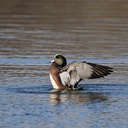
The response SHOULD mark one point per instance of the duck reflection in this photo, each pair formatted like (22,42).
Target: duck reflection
(75,97)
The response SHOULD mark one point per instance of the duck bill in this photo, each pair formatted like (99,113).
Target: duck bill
(52,61)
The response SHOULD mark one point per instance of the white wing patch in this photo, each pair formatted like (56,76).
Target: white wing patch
(65,78)
(74,77)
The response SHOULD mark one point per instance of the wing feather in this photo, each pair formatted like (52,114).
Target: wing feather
(99,70)
(77,71)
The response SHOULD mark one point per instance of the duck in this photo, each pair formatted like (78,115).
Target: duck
(68,76)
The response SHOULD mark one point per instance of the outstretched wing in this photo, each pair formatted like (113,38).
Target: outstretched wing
(74,72)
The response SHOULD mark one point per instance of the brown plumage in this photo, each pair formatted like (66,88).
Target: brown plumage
(54,72)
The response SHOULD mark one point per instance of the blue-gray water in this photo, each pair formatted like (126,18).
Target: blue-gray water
(32,32)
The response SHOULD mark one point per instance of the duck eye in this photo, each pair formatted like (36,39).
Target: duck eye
(57,57)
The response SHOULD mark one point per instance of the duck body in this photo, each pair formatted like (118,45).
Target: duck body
(65,76)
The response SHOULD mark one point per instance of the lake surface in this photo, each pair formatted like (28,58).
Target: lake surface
(32,32)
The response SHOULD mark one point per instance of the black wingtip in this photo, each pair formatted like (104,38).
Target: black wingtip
(100,70)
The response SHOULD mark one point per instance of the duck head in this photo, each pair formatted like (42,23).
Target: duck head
(59,60)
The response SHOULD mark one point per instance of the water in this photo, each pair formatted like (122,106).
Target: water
(32,32)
